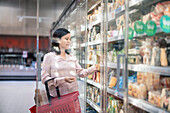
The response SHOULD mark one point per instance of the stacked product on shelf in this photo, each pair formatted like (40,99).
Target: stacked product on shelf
(93,56)
(149,46)
(148,53)
(93,94)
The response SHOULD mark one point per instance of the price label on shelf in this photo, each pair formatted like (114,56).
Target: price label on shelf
(24,54)
(161,111)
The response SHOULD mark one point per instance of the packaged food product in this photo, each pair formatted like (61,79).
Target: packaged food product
(98,77)
(165,82)
(130,87)
(146,18)
(164,61)
(159,8)
(139,91)
(140,77)
(165,98)
(155,60)
(167,11)
(112,82)
(154,97)
(152,81)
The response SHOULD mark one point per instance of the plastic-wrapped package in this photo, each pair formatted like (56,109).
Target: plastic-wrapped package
(155,52)
(165,82)
(112,79)
(109,56)
(139,91)
(157,58)
(154,97)
(167,11)
(164,61)
(165,98)
(152,81)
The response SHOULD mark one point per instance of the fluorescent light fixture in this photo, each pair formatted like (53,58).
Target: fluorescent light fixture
(33,17)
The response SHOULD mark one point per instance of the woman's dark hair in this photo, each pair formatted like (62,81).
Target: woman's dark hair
(58,34)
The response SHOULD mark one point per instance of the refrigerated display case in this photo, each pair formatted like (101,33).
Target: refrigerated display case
(130,39)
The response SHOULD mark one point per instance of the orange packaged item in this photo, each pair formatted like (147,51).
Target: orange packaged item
(98,77)
(167,11)
(112,82)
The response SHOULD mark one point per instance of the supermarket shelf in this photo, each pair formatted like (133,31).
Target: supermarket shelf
(111,39)
(139,103)
(90,25)
(83,45)
(92,104)
(17,72)
(117,94)
(158,30)
(94,5)
(121,37)
(115,38)
(131,4)
(94,42)
(114,65)
(93,83)
(122,8)
(90,62)
(146,105)
(148,68)
(144,68)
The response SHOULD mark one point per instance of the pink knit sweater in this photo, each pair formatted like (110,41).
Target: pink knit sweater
(55,66)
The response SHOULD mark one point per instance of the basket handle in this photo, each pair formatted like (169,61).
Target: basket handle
(48,93)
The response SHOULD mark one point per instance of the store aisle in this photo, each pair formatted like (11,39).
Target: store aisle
(16,96)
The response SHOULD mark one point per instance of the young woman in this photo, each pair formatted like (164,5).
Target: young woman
(63,66)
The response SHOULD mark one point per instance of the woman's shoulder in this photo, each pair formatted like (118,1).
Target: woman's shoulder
(72,57)
(50,54)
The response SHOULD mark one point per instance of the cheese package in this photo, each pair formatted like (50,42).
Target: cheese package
(165,98)
(138,91)
(140,77)
(152,81)
(154,97)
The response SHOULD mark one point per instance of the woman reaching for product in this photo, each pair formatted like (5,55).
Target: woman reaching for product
(63,66)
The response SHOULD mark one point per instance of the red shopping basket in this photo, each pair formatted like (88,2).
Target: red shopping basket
(68,103)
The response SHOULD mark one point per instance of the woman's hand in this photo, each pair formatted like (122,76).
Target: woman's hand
(70,79)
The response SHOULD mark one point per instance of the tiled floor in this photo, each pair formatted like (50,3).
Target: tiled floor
(17,96)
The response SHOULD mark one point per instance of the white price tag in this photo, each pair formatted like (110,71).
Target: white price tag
(24,54)
(161,111)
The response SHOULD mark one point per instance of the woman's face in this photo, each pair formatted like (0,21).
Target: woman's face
(65,41)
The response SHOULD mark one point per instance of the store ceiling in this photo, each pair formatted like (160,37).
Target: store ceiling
(18,17)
